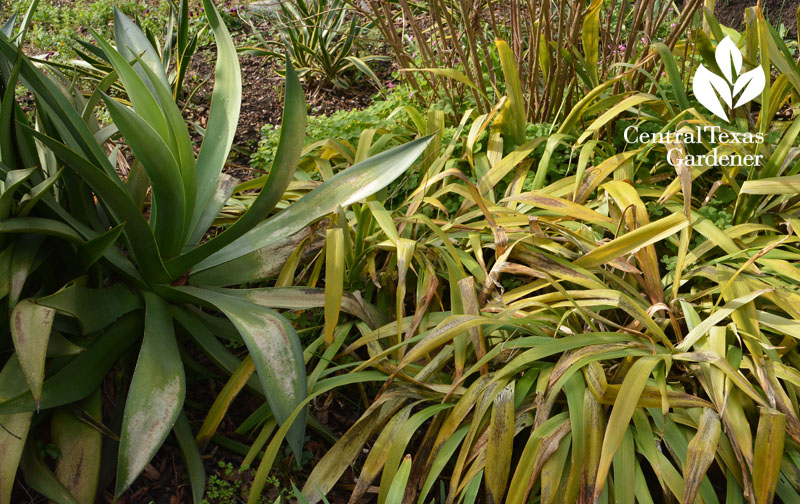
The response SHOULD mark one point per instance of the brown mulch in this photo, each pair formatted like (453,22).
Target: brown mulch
(262,99)
(731,13)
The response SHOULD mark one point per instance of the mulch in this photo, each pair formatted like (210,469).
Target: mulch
(731,13)
(262,99)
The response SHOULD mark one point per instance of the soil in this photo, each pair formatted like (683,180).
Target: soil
(262,99)
(731,13)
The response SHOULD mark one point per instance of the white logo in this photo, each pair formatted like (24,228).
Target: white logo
(709,87)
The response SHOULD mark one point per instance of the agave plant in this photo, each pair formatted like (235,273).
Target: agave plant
(93,270)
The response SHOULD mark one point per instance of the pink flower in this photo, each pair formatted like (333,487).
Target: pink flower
(390,85)
(621,48)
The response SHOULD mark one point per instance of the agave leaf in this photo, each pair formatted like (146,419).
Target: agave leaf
(30,200)
(83,374)
(224,113)
(286,158)
(14,179)
(82,302)
(8,27)
(180,143)
(158,160)
(14,432)
(345,188)
(123,209)
(225,186)
(30,330)
(304,298)
(141,97)
(60,111)
(155,397)
(132,44)
(40,226)
(40,478)
(78,468)
(210,344)
(7,105)
(276,352)
(26,249)
(268,263)
(94,249)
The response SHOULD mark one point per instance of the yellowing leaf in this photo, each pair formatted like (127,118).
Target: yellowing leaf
(334,280)
(632,387)
(560,206)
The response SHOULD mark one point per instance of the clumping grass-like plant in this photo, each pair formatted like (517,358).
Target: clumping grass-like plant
(600,323)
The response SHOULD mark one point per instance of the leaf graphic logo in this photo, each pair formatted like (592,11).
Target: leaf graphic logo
(713,90)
